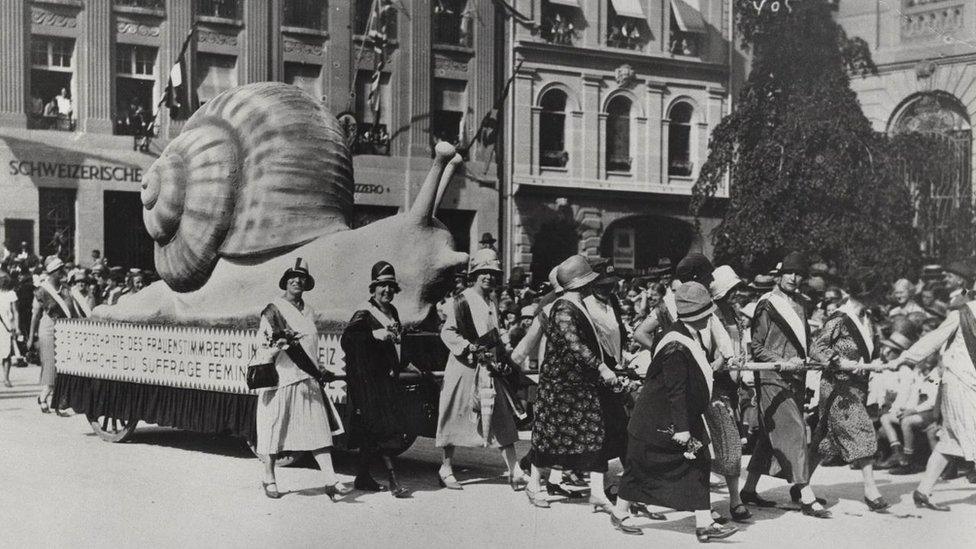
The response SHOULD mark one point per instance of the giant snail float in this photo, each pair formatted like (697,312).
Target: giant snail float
(262,175)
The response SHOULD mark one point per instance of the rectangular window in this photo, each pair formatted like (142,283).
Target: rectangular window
(51,105)
(227,9)
(214,74)
(372,135)
(48,52)
(135,60)
(305,76)
(450,104)
(365,16)
(309,14)
(452,23)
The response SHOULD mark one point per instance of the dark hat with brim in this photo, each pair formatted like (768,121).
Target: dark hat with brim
(693,266)
(300,269)
(383,273)
(763,283)
(487,238)
(794,262)
(608,273)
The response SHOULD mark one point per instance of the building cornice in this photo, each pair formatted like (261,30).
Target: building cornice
(571,55)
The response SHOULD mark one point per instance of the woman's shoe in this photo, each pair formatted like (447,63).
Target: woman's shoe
(273,494)
(878,504)
(448,482)
(557,490)
(536,498)
(753,498)
(717,518)
(45,408)
(715,531)
(518,484)
(337,489)
(921,500)
(601,505)
(367,483)
(572,479)
(798,498)
(740,513)
(640,509)
(621,524)
(810,511)
(399,491)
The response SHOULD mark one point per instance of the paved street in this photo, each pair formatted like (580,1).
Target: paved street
(62,486)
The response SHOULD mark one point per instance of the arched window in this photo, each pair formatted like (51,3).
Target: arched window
(552,129)
(618,135)
(679,140)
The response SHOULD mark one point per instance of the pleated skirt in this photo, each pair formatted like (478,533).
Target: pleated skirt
(293,418)
(957,435)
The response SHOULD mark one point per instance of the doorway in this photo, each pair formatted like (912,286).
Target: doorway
(127,243)
(56,218)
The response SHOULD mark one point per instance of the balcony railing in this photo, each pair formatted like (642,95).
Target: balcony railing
(619,163)
(681,167)
(370,139)
(684,43)
(558,27)
(159,5)
(554,159)
(227,9)
(50,122)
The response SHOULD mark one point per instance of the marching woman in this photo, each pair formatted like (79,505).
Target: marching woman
(721,415)
(667,455)
(52,300)
(845,430)
(570,429)
(295,416)
(9,322)
(371,342)
(476,408)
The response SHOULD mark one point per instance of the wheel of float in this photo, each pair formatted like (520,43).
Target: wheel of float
(112,429)
(283,460)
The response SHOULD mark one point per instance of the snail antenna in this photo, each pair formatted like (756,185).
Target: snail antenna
(445,181)
(425,203)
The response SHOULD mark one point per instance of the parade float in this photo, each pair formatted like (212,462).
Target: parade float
(260,176)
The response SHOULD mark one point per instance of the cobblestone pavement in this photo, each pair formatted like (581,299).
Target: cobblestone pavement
(61,486)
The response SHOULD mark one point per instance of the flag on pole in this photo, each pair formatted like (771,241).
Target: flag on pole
(383,10)
(177,95)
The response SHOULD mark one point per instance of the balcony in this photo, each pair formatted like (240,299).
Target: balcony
(681,168)
(370,139)
(619,163)
(558,25)
(50,122)
(626,33)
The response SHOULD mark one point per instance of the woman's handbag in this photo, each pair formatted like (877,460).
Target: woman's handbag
(261,372)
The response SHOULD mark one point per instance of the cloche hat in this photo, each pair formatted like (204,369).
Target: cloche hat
(693,267)
(693,302)
(724,281)
(383,273)
(300,269)
(575,272)
(485,259)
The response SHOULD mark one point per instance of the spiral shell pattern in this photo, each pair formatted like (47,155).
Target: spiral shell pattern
(257,171)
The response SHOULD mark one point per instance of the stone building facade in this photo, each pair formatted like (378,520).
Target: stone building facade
(612,108)
(76,74)
(925,51)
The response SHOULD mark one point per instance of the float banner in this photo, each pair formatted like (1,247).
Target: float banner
(208,359)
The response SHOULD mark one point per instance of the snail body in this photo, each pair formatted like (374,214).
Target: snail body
(260,176)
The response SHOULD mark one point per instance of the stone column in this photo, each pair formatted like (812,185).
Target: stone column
(574,144)
(657,173)
(522,94)
(484,86)
(535,144)
(257,42)
(179,19)
(420,79)
(593,147)
(96,90)
(275,56)
(14,28)
(641,149)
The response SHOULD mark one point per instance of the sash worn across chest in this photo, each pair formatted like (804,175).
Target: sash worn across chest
(384,320)
(586,314)
(674,336)
(967,325)
(784,316)
(56,297)
(861,333)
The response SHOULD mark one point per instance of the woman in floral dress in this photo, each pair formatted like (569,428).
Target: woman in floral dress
(845,431)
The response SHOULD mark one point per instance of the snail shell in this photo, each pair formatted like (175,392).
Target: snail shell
(259,170)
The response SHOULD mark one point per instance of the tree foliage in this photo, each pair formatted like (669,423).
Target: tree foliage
(808,171)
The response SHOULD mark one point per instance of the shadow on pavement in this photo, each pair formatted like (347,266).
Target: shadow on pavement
(221,445)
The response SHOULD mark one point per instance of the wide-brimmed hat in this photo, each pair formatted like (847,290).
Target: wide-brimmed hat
(763,283)
(963,268)
(693,267)
(794,262)
(487,238)
(897,341)
(52,263)
(300,269)
(485,259)
(575,272)
(693,302)
(662,269)
(553,280)
(724,280)
(383,273)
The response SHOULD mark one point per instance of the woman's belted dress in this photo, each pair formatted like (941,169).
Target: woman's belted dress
(295,415)
(51,304)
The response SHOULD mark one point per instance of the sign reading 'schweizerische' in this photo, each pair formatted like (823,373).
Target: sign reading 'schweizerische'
(184,357)
(63,170)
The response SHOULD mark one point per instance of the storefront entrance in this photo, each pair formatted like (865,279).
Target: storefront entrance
(127,243)
(56,218)
(637,243)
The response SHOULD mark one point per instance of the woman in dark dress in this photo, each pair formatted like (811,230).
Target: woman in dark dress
(668,461)
(569,430)
(845,431)
(371,342)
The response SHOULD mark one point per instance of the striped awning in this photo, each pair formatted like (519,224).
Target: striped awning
(687,13)
(628,8)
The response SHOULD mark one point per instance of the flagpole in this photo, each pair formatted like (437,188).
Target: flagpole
(169,89)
